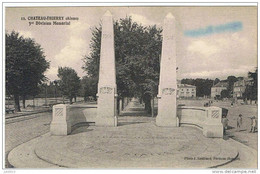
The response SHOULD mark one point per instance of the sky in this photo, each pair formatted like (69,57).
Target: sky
(216,55)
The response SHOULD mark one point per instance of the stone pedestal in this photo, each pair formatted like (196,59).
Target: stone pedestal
(213,127)
(167,110)
(107,92)
(60,124)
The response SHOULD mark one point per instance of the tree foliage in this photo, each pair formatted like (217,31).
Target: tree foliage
(69,82)
(231,80)
(88,87)
(251,88)
(216,81)
(203,86)
(137,50)
(224,94)
(25,66)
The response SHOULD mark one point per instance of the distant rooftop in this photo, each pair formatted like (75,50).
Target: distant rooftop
(221,84)
(186,86)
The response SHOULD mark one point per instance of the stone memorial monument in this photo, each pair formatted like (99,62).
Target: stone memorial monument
(61,123)
(107,90)
(167,114)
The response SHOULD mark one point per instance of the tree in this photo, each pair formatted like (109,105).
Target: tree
(137,50)
(69,82)
(88,87)
(25,67)
(251,88)
(216,81)
(231,80)
(224,94)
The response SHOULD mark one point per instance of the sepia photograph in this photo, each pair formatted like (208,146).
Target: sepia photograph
(130,86)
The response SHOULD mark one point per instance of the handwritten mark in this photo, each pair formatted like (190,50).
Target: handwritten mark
(228,27)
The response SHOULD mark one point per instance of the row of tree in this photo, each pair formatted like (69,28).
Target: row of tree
(137,52)
(25,67)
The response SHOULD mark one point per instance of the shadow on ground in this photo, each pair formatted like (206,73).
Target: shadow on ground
(79,128)
(128,123)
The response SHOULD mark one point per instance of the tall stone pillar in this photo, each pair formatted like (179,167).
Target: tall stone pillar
(167,110)
(107,91)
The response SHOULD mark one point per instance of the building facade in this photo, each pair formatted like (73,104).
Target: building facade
(186,91)
(240,87)
(216,89)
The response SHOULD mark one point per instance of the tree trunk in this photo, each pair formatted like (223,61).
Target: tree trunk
(148,106)
(124,102)
(147,101)
(33,103)
(75,99)
(71,100)
(17,103)
(23,98)
(152,106)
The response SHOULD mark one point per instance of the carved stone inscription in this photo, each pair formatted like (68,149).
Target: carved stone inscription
(106,36)
(106,90)
(168,91)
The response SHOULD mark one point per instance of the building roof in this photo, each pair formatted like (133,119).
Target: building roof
(242,82)
(221,84)
(186,86)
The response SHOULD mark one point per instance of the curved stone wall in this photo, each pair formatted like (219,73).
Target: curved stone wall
(66,116)
(208,119)
(192,115)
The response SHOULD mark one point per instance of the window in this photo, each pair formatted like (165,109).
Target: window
(187,89)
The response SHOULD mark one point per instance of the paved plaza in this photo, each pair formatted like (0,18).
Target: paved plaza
(136,143)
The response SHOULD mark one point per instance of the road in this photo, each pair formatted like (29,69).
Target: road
(23,130)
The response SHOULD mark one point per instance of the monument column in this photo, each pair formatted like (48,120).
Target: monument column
(107,91)
(168,84)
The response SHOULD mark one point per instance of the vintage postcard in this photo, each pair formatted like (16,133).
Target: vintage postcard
(114,86)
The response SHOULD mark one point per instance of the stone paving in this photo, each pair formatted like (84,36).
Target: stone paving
(136,143)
